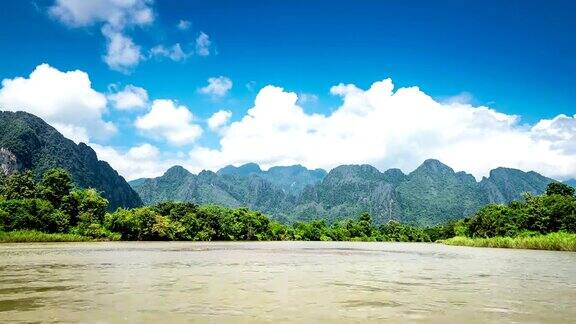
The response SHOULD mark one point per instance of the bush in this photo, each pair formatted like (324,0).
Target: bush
(95,231)
(143,224)
(32,214)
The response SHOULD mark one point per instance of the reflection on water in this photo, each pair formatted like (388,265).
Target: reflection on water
(283,281)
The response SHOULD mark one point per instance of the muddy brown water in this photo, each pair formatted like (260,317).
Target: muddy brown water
(283,282)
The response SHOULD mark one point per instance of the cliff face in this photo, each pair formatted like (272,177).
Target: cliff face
(37,146)
(8,163)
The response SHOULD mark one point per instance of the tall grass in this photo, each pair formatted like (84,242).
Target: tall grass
(559,241)
(35,236)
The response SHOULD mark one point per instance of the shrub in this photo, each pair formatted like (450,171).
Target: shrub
(95,231)
(33,214)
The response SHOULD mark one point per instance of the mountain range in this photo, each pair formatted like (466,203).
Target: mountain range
(431,194)
(27,142)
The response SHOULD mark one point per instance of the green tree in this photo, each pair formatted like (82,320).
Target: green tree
(550,213)
(19,185)
(365,225)
(55,185)
(32,214)
(495,220)
(175,210)
(558,188)
(339,231)
(85,205)
(123,222)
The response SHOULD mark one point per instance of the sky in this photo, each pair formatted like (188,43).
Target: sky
(204,84)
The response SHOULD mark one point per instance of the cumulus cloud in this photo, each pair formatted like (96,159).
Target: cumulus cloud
(116,13)
(141,161)
(219,119)
(129,98)
(175,52)
(65,100)
(217,86)
(203,44)
(391,128)
(560,130)
(173,123)
(184,25)
(122,54)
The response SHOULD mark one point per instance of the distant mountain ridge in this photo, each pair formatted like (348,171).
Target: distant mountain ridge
(292,179)
(430,194)
(27,142)
(228,189)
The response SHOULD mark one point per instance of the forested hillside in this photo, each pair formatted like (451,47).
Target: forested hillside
(38,147)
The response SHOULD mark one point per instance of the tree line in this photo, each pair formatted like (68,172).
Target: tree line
(54,205)
(553,211)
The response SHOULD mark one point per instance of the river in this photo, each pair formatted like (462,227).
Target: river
(283,282)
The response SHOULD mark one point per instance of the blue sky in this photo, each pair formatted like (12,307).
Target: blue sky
(515,57)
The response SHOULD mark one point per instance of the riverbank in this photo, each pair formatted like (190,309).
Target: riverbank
(35,237)
(559,241)
(554,241)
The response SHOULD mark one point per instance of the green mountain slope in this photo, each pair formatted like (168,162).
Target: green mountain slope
(504,184)
(292,179)
(434,192)
(349,190)
(38,146)
(230,190)
(571,182)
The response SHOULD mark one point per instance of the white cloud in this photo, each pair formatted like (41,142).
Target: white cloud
(203,44)
(390,128)
(217,86)
(560,130)
(175,53)
(116,13)
(170,122)
(122,54)
(141,161)
(129,98)
(77,134)
(184,25)
(461,98)
(65,100)
(219,119)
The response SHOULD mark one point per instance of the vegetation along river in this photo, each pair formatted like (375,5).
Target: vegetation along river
(283,281)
